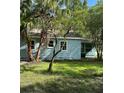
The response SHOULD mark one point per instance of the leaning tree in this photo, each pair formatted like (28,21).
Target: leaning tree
(71,17)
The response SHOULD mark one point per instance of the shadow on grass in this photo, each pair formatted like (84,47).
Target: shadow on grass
(66,85)
(73,79)
(64,71)
(24,68)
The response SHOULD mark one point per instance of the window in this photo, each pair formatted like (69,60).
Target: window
(50,43)
(88,47)
(63,45)
(32,44)
(82,47)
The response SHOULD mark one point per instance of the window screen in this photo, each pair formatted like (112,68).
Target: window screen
(63,45)
(50,44)
(32,44)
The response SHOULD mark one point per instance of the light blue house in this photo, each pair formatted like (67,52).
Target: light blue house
(74,48)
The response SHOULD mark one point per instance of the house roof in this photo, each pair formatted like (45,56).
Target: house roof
(36,32)
(71,35)
(68,38)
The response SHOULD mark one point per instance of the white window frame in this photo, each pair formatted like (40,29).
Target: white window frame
(33,45)
(66,45)
(53,44)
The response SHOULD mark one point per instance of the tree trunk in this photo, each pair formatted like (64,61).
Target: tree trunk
(50,65)
(28,42)
(43,37)
(99,56)
(30,56)
(55,53)
(38,54)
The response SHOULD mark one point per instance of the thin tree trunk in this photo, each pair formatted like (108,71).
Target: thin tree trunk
(98,56)
(43,37)
(50,65)
(38,53)
(55,53)
(30,56)
(101,56)
(52,60)
(42,40)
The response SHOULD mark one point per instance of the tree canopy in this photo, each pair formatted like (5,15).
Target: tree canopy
(61,16)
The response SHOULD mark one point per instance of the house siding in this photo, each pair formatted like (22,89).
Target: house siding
(23,51)
(73,51)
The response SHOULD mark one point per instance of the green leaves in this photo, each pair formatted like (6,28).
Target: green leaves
(85,5)
(77,15)
(95,20)
(95,27)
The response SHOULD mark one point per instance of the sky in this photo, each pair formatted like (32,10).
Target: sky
(91,2)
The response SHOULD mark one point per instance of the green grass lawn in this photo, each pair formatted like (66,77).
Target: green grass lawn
(67,77)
